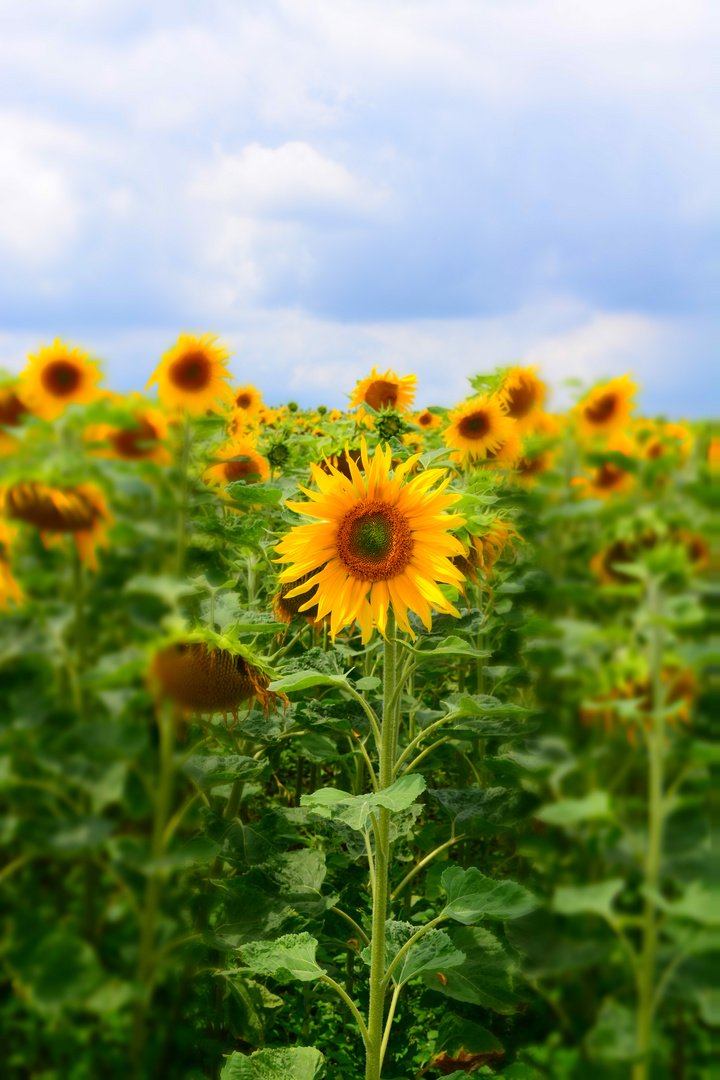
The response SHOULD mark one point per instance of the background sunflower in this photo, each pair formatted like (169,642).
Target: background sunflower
(192,375)
(56,377)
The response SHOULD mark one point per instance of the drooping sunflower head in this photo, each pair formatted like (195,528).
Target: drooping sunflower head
(238,460)
(56,377)
(606,408)
(479,427)
(80,511)
(523,394)
(207,673)
(388,391)
(496,538)
(379,543)
(193,376)
(247,399)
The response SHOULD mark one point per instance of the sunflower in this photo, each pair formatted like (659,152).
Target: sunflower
(9,588)
(80,511)
(605,481)
(141,439)
(529,468)
(388,391)
(379,544)
(12,409)
(606,408)
(192,375)
(664,440)
(340,462)
(490,544)
(523,394)
(479,427)
(238,460)
(58,376)
(247,400)
(605,564)
(507,453)
(205,672)
(427,420)
(286,607)
(8,444)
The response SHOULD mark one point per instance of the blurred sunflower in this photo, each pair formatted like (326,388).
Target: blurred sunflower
(388,391)
(605,481)
(247,400)
(380,543)
(523,394)
(193,376)
(56,377)
(427,420)
(12,409)
(606,408)
(238,460)
(479,427)
(141,439)
(9,588)
(529,468)
(664,440)
(80,511)
(507,453)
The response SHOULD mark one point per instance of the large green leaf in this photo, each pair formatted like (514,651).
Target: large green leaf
(210,770)
(477,811)
(433,952)
(547,948)
(249,914)
(288,958)
(294,1063)
(250,495)
(252,1002)
(574,811)
(594,899)
(700,902)
(470,895)
(457,1036)
(485,705)
(454,646)
(55,971)
(303,680)
(486,976)
(614,1037)
(296,877)
(355,810)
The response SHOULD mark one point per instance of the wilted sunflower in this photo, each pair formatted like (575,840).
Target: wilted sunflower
(523,394)
(205,672)
(9,588)
(606,408)
(193,376)
(478,427)
(388,391)
(141,439)
(247,400)
(238,460)
(80,511)
(56,377)
(380,543)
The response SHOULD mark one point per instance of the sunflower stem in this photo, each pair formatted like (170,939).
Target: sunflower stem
(388,738)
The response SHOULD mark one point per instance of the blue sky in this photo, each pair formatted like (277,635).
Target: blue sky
(440,186)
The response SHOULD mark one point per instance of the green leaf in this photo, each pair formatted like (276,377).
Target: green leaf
(433,952)
(454,646)
(168,589)
(370,682)
(700,903)
(588,899)
(455,1033)
(288,958)
(248,495)
(56,971)
(614,1037)
(574,811)
(317,747)
(485,978)
(72,835)
(355,810)
(209,770)
(485,705)
(303,680)
(505,728)
(294,1063)
(298,877)
(470,895)
(475,811)
(252,999)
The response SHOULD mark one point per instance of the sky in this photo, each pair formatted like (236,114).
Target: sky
(436,186)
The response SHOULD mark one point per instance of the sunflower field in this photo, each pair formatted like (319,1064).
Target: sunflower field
(353,745)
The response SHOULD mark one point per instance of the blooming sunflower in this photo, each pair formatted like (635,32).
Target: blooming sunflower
(9,588)
(606,408)
(427,420)
(238,460)
(605,481)
(379,544)
(192,375)
(56,377)
(479,427)
(523,394)
(80,510)
(388,391)
(664,440)
(141,439)
(247,400)
(529,468)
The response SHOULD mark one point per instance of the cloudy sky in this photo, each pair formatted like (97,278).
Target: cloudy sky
(439,186)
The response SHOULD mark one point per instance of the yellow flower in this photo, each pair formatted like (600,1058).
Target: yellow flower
(606,408)
(9,588)
(529,468)
(192,375)
(286,607)
(660,440)
(141,439)
(12,409)
(427,420)
(379,544)
(479,427)
(80,511)
(58,376)
(523,394)
(238,460)
(247,400)
(388,391)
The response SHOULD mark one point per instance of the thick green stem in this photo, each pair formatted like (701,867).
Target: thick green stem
(382,850)
(656,752)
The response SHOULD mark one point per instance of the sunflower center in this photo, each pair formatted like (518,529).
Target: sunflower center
(241,468)
(243,401)
(61,377)
(520,400)
(191,372)
(475,425)
(11,408)
(131,442)
(601,410)
(374,541)
(425,419)
(381,394)
(608,476)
